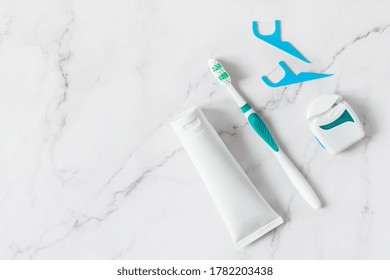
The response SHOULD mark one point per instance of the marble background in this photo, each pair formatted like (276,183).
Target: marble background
(90,168)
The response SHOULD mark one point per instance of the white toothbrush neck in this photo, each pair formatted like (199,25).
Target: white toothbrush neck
(237,97)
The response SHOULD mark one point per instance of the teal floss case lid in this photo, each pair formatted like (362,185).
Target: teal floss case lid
(334,123)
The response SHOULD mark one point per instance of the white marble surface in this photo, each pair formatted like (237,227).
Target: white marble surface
(90,169)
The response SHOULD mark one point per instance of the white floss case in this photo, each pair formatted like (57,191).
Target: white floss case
(334,123)
(246,213)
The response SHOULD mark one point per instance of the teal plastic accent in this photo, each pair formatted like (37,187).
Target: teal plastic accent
(345,117)
(245,108)
(275,40)
(291,78)
(262,130)
(320,143)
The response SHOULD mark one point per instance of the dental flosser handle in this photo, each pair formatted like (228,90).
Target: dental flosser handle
(289,168)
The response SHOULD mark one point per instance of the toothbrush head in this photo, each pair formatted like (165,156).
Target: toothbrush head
(219,72)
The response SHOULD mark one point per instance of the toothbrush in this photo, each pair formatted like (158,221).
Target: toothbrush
(261,129)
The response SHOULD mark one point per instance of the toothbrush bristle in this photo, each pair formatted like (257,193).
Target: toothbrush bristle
(219,72)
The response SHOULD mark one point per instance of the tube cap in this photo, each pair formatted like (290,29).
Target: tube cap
(190,122)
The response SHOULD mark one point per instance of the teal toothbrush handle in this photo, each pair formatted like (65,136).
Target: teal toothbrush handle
(262,130)
(300,183)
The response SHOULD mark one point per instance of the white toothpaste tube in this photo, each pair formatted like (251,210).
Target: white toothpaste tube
(246,213)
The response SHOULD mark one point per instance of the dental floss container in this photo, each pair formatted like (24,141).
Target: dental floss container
(246,214)
(334,123)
